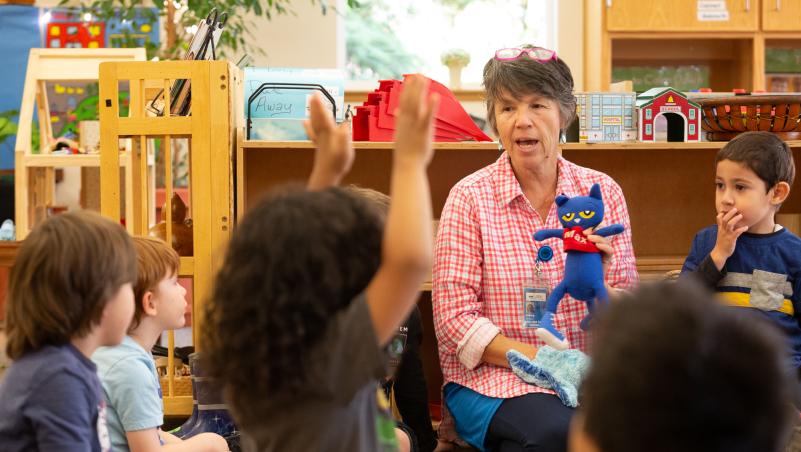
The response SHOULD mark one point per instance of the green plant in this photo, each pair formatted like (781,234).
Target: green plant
(7,126)
(180,15)
(374,50)
(455,57)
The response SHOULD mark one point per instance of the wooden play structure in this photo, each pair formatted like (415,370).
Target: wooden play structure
(35,169)
(215,113)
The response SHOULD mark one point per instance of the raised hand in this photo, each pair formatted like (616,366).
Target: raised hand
(333,156)
(415,119)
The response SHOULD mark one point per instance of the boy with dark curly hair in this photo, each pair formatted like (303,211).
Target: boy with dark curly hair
(674,371)
(311,290)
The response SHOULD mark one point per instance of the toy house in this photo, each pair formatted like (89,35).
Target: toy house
(666,109)
(606,116)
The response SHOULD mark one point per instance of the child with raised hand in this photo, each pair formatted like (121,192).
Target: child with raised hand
(69,293)
(127,371)
(751,261)
(310,293)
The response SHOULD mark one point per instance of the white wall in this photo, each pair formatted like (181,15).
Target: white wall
(570,36)
(307,39)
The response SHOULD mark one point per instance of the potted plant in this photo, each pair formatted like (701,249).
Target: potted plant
(456,60)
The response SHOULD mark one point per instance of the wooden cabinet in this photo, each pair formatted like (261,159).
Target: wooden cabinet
(781,15)
(667,35)
(682,15)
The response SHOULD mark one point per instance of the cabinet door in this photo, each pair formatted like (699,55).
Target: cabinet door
(781,15)
(682,15)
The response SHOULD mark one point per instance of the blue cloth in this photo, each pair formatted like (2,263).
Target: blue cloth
(560,370)
(131,388)
(20,25)
(471,411)
(51,399)
(764,272)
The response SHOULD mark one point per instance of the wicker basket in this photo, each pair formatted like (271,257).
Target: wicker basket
(726,117)
(182,386)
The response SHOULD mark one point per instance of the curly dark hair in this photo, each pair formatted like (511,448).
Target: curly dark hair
(295,259)
(673,370)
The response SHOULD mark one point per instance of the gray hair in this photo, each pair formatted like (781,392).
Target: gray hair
(523,76)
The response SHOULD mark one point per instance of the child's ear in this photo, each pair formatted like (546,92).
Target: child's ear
(780,193)
(149,303)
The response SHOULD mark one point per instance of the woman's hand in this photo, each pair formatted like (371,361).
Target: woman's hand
(607,252)
(605,248)
(333,155)
(728,232)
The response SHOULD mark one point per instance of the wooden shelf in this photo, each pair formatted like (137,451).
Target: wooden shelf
(494,145)
(462,95)
(362,145)
(668,186)
(66,161)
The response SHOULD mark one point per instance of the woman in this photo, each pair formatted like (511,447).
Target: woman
(485,256)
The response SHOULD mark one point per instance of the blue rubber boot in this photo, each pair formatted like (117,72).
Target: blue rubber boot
(212,413)
(548,333)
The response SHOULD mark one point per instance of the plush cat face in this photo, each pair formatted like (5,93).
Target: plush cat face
(584,211)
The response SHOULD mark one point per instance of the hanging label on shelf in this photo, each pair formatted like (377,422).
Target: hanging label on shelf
(712,10)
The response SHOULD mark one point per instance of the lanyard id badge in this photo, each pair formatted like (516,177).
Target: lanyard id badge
(536,291)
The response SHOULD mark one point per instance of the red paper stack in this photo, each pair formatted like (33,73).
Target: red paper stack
(375,120)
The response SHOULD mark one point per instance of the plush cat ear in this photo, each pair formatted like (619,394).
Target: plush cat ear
(561,199)
(595,191)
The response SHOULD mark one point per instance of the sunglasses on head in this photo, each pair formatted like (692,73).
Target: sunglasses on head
(535,53)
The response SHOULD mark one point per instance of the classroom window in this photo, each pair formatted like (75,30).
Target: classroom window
(692,129)
(386,39)
(648,113)
(648,129)
(692,113)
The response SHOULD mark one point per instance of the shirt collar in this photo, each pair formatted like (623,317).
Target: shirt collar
(508,188)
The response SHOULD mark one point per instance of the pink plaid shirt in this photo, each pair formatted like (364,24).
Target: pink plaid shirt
(485,253)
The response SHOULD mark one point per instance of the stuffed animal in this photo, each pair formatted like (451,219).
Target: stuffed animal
(584,277)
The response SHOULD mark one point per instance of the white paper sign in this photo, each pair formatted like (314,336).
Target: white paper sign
(712,10)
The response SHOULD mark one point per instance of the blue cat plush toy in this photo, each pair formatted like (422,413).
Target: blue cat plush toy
(584,276)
